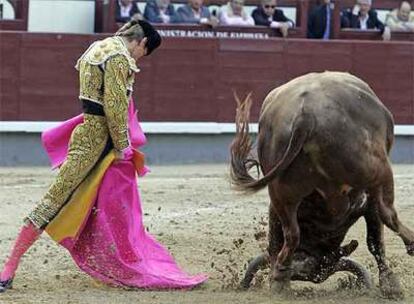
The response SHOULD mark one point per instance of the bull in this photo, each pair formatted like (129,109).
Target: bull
(323,147)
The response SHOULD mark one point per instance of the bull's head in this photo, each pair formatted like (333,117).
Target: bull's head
(307,267)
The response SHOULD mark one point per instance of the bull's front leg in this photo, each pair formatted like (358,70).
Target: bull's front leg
(389,283)
(281,259)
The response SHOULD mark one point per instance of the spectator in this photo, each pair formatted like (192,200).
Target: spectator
(233,13)
(267,14)
(361,17)
(125,10)
(195,12)
(401,19)
(160,11)
(320,21)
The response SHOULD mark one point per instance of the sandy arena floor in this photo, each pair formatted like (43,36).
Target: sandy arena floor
(207,227)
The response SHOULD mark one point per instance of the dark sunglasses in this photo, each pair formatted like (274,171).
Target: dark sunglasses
(269,6)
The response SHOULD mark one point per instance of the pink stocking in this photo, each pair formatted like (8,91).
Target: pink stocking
(27,236)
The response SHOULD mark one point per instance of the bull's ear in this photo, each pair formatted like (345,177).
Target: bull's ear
(349,248)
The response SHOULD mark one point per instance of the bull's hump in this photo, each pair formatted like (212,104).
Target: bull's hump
(321,92)
(315,82)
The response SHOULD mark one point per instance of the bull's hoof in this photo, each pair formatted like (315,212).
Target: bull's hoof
(364,283)
(390,286)
(280,288)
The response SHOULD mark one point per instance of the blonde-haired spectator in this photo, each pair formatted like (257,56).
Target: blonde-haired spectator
(401,19)
(233,13)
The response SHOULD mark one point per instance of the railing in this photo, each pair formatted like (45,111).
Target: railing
(377,4)
(194,79)
(352,34)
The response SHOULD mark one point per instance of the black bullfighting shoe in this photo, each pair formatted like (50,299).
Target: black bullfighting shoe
(7,284)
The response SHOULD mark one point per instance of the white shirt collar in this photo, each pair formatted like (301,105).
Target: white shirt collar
(363,22)
(124,10)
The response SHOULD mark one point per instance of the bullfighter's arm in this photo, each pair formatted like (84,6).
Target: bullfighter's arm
(116,101)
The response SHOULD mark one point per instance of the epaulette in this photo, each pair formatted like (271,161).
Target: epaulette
(100,51)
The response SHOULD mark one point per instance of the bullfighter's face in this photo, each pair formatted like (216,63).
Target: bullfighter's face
(138,49)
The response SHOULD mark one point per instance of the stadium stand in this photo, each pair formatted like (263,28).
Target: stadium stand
(105,21)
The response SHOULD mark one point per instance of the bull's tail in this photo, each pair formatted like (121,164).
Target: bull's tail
(241,149)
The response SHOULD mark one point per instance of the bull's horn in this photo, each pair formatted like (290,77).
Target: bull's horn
(363,276)
(349,248)
(257,263)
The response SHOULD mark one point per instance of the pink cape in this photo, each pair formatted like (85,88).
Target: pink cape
(113,245)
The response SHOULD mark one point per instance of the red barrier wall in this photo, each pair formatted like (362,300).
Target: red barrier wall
(192,79)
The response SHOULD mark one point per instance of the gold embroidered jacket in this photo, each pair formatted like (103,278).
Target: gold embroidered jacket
(106,76)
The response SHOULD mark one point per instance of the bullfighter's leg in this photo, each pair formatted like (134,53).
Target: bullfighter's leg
(389,283)
(87,143)
(286,208)
(384,197)
(88,140)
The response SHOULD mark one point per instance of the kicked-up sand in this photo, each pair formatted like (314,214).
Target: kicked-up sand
(208,228)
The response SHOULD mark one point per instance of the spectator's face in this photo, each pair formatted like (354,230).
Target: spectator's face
(365,6)
(269,7)
(126,2)
(237,6)
(163,4)
(405,10)
(196,4)
(326,1)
